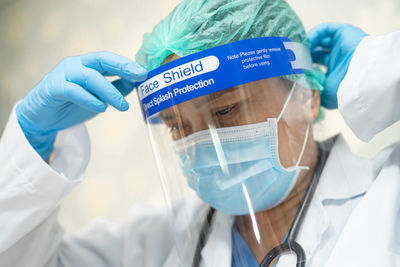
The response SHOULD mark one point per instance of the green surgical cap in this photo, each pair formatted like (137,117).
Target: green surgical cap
(196,25)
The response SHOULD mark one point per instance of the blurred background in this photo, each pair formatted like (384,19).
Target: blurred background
(36,35)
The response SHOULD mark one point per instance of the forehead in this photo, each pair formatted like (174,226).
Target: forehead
(264,87)
(267,91)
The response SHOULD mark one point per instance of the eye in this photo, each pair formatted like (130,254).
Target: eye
(225,111)
(173,128)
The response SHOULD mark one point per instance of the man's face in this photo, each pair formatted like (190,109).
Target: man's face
(246,104)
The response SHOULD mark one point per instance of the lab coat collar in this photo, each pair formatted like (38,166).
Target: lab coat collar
(370,237)
(345,175)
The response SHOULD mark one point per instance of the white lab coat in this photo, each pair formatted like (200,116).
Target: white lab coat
(359,223)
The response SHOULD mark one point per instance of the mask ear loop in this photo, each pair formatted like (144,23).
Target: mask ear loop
(286,102)
(307,130)
(303,149)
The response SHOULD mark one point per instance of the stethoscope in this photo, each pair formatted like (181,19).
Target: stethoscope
(289,244)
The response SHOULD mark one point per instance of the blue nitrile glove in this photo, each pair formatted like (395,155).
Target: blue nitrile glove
(73,92)
(333,45)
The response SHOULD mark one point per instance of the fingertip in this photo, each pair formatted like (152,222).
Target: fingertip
(141,78)
(311,33)
(102,107)
(124,106)
(317,34)
(313,37)
(124,86)
(127,108)
(319,55)
(326,41)
(96,106)
(138,73)
(139,68)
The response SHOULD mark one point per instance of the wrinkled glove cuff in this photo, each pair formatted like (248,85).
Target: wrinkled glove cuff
(41,141)
(43,144)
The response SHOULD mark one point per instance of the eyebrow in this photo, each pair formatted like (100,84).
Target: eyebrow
(166,115)
(214,96)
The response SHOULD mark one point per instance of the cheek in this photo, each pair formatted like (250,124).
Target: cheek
(262,109)
(285,145)
(294,114)
(291,132)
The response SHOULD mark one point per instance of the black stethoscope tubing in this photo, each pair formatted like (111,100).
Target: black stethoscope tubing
(289,245)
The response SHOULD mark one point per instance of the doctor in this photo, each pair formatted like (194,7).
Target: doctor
(31,189)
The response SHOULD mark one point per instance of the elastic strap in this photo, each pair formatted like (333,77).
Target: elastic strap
(307,130)
(304,146)
(287,102)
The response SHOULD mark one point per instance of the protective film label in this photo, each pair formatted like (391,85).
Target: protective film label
(220,68)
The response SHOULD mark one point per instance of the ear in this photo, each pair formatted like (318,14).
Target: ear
(311,106)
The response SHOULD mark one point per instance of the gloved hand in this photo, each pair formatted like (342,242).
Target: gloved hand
(73,92)
(333,45)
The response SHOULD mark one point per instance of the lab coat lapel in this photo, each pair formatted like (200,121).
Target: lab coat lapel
(173,259)
(189,218)
(311,232)
(218,249)
(343,177)
(370,237)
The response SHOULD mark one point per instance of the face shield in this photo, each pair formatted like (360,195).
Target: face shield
(231,129)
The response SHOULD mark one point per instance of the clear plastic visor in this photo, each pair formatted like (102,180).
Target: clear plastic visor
(237,166)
